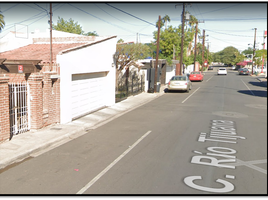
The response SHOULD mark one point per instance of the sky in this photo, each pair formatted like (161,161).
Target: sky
(225,23)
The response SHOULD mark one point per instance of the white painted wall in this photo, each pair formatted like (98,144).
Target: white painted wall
(170,71)
(95,58)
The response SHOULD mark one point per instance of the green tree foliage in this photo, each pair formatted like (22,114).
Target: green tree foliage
(2,22)
(248,51)
(228,56)
(127,54)
(259,55)
(68,26)
(120,41)
(170,41)
(91,34)
(71,27)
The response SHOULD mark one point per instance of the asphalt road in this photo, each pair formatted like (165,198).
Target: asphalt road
(212,140)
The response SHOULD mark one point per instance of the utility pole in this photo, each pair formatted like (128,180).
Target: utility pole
(50,22)
(182,38)
(264,36)
(156,60)
(253,50)
(203,49)
(178,68)
(196,32)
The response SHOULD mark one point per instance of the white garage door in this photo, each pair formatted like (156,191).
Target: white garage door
(87,93)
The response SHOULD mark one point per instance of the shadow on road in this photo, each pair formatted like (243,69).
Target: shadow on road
(258,93)
(174,91)
(258,83)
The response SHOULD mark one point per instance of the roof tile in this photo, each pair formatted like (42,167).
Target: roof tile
(38,52)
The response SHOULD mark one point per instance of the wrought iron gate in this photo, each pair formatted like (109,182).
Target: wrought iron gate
(19,108)
(127,86)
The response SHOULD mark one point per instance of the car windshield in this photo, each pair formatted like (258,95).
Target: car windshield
(195,72)
(178,78)
(222,69)
(244,70)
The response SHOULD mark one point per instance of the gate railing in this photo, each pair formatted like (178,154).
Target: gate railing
(19,108)
(128,86)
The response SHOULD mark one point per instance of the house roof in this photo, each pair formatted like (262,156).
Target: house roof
(42,51)
(38,52)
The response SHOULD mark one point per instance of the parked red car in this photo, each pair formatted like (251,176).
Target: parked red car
(196,76)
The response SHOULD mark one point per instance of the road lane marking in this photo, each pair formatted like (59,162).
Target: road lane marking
(209,78)
(251,165)
(87,186)
(248,88)
(190,95)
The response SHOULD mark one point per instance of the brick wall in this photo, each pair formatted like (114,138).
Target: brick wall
(4,108)
(44,101)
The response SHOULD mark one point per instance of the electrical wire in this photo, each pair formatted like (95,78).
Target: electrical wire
(220,9)
(10,7)
(230,34)
(130,14)
(116,17)
(101,19)
(227,42)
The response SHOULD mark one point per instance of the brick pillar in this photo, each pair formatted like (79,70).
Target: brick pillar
(36,100)
(4,108)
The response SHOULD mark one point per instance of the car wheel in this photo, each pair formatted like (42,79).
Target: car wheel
(187,90)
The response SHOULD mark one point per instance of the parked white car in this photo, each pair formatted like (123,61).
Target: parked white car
(222,71)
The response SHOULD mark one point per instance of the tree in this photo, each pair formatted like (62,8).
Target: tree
(228,55)
(68,26)
(71,27)
(127,54)
(120,41)
(238,57)
(248,51)
(163,21)
(166,19)
(2,22)
(91,34)
(170,41)
(168,38)
(260,54)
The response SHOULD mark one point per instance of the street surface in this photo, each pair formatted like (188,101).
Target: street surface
(212,140)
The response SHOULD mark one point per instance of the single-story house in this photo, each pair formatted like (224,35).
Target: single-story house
(35,92)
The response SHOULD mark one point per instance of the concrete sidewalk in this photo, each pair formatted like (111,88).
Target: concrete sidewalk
(35,142)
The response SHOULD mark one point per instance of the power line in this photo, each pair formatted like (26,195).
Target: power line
(230,34)
(10,8)
(221,9)
(130,14)
(226,19)
(116,17)
(101,19)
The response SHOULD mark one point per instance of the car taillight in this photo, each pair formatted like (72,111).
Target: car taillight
(185,83)
(168,83)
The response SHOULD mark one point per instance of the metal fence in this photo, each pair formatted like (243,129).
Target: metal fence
(18,108)
(128,86)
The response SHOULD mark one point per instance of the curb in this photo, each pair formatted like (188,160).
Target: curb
(80,130)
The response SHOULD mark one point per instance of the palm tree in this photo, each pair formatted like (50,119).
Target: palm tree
(166,19)
(163,20)
(192,22)
(2,22)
